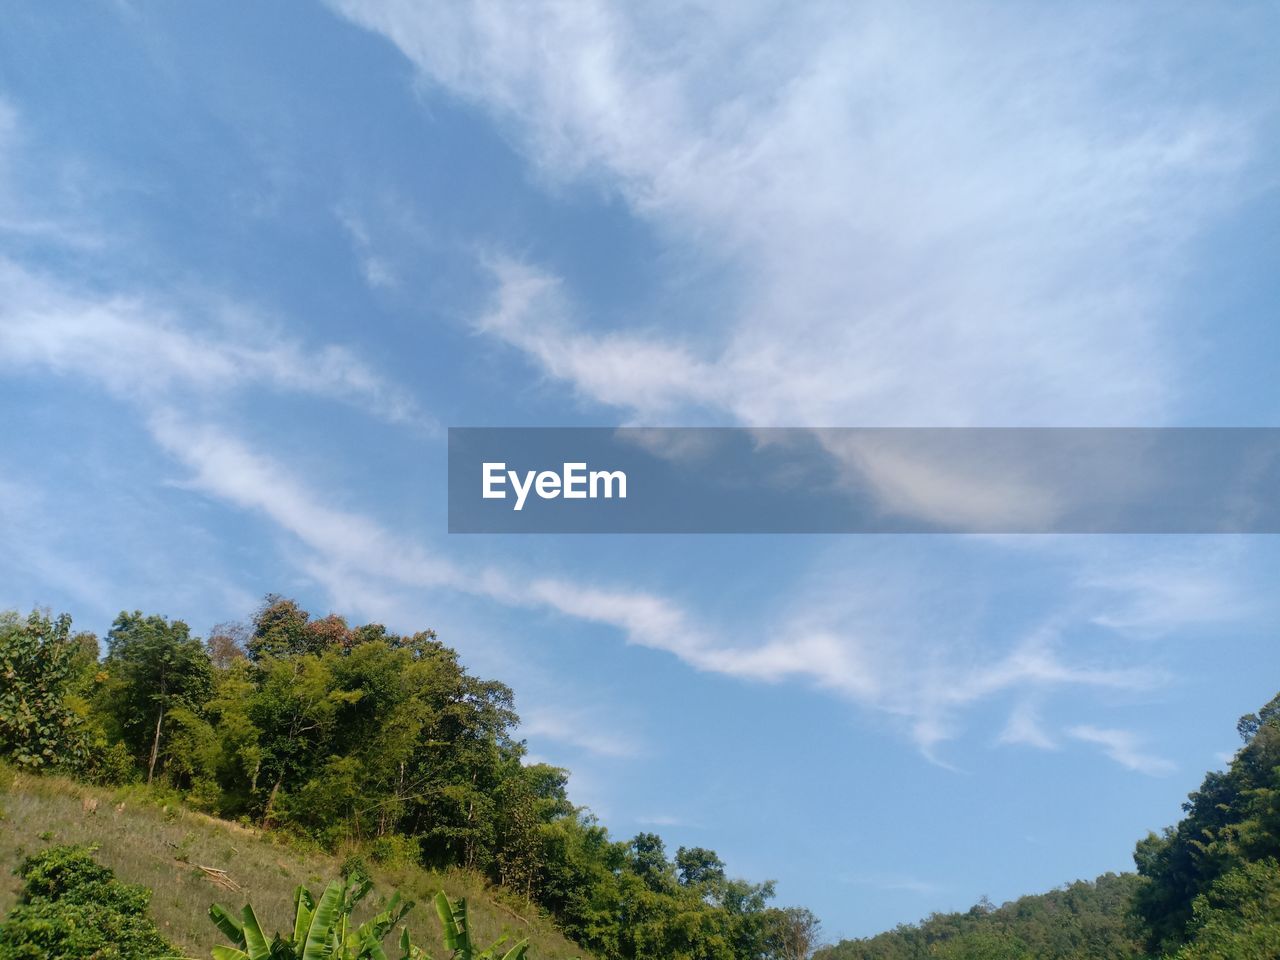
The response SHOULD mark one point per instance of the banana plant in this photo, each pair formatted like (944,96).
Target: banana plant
(457,935)
(322,930)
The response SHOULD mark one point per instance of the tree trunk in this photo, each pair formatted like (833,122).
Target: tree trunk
(155,747)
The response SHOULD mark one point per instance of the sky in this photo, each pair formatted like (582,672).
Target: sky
(255,259)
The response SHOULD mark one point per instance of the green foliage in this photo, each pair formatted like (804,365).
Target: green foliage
(321,930)
(1082,921)
(324,929)
(155,668)
(394,850)
(40,726)
(73,908)
(457,934)
(1208,888)
(355,737)
(1231,823)
(1238,916)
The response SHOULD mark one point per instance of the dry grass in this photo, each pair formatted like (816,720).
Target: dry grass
(161,847)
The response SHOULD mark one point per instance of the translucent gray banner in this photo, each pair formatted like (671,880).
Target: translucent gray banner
(863,480)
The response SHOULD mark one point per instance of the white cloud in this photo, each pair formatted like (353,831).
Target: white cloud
(1125,748)
(873,628)
(937,214)
(885,660)
(663,820)
(1150,596)
(529,312)
(892,882)
(1024,727)
(377,271)
(140,350)
(576,728)
(907,235)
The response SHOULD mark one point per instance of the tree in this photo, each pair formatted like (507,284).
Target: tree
(1238,916)
(227,643)
(649,861)
(1231,821)
(699,867)
(154,666)
(40,663)
(794,932)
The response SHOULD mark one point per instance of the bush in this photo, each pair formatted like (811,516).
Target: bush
(108,764)
(394,850)
(73,908)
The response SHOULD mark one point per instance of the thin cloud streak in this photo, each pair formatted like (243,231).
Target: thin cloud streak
(577,729)
(138,350)
(1125,748)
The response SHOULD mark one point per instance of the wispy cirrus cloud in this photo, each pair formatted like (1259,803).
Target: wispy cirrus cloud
(882,659)
(969,216)
(579,729)
(1025,728)
(921,214)
(140,347)
(892,882)
(137,347)
(878,657)
(377,271)
(1149,596)
(1124,747)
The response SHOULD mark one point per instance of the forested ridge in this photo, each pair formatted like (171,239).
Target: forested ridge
(1207,888)
(357,739)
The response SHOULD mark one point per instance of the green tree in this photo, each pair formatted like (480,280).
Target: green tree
(1238,917)
(700,868)
(154,667)
(41,669)
(1231,821)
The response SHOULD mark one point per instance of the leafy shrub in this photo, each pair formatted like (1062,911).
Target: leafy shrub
(394,850)
(73,908)
(354,869)
(108,764)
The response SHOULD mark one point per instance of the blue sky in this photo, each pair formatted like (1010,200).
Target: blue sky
(254,259)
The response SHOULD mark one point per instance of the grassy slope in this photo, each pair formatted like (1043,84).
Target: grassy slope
(143,842)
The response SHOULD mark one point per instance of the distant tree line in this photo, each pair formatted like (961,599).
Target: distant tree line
(358,737)
(1205,889)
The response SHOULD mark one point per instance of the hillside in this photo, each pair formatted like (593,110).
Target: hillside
(1207,888)
(355,737)
(285,744)
(160,847)
(1086,920)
